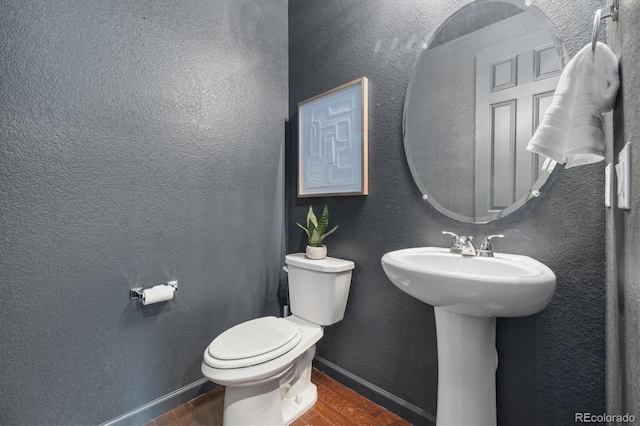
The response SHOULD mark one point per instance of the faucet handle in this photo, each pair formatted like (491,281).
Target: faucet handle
(485,247)
(455,236)
(456,246)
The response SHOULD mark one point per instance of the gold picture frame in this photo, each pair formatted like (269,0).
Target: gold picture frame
(333,133)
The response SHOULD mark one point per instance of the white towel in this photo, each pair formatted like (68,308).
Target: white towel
(571,130)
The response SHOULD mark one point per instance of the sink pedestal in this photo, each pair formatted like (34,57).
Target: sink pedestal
(467,361)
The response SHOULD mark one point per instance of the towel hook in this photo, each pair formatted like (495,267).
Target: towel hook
(605,12)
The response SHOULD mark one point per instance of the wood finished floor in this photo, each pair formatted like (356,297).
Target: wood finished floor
(336,406)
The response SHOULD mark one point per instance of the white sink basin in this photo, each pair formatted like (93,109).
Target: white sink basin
(506,285)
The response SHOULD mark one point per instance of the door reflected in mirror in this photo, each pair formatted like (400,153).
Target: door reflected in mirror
(474,100)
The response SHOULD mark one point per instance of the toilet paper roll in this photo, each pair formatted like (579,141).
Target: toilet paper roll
(158,293)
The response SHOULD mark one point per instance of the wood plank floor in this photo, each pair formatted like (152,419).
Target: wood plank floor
(336,406)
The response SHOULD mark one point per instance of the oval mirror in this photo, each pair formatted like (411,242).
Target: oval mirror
(475,97)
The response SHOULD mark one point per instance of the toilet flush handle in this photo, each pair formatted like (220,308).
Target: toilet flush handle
(284,268)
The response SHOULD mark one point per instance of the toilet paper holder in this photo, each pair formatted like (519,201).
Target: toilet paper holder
(136,293)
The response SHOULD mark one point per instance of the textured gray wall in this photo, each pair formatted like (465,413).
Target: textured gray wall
(551,364)
(623,226)
(139,141)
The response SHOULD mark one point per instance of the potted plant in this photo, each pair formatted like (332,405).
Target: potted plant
(316,232)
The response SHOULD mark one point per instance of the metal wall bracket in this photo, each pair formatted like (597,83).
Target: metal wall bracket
(605,12)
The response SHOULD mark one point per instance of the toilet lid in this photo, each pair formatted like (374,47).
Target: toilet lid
(253,342)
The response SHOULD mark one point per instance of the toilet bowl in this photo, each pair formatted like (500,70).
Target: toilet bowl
(255,385)
(265,363)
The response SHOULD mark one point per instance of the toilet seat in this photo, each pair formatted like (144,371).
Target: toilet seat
(253,342)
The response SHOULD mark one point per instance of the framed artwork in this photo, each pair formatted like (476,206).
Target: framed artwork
(332,142)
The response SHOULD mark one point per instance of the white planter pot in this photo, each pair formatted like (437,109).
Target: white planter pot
(316,253)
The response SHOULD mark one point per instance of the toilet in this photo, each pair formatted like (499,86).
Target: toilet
(265,363)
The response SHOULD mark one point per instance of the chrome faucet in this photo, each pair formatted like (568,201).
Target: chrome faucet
(464,245)
(461,245)
(468,249)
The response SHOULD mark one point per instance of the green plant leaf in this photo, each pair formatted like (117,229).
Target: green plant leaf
(311,218)
(324,220)
(326,234)
(316,229)
(315,240)
(305,230)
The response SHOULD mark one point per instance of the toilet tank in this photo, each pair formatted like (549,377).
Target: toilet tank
(318,289)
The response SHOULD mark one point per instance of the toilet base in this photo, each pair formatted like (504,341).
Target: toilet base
(291,409)
(262,405)
(253,405)
(277,401)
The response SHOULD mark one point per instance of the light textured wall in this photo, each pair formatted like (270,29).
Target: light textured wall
(623,226)
(139,142)
(551,364)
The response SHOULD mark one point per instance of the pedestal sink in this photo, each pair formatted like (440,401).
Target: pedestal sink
(468,293)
